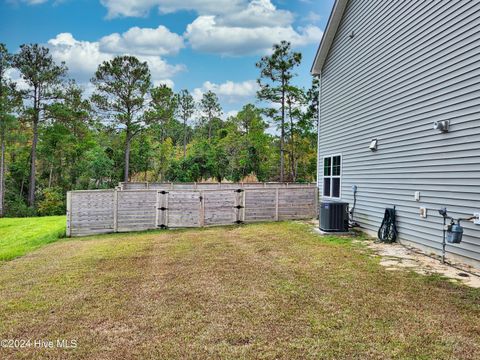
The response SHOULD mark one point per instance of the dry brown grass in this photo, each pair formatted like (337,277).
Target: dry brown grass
(258,291)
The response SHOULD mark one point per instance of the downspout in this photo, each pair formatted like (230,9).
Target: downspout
(319,165)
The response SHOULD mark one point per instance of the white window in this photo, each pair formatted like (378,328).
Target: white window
(332,173)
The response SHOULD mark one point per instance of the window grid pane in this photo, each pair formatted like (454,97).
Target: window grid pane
(326,187)
(336,166)
(336,187)
(327,166)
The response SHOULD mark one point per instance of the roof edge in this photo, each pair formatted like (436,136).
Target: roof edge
(328,36)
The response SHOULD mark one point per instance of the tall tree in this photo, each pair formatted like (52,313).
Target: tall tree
(210,109)
(43,78)
(276,73)
(65,137)
(159,116)
(162,109)
(247,144)
(185,110)
(121,88)
(295,100)
(313,100)
(307,128)
(6,119)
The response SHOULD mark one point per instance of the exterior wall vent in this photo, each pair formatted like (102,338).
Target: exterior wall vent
(442,126)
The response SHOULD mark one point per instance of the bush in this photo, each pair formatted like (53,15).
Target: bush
(15,206)
(52,202)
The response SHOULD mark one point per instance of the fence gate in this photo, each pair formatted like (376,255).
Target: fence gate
(180,208)
(224,207)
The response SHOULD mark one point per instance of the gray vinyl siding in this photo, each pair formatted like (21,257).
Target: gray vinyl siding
(409,63)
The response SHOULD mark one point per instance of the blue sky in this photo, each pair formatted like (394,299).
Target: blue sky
(194,44)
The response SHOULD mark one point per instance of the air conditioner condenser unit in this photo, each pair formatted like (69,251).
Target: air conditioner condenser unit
(334,216)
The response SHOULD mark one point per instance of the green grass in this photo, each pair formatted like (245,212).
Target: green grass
(18,236)
(262,291)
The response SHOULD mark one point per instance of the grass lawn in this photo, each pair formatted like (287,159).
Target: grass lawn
(19,236)
(273,291)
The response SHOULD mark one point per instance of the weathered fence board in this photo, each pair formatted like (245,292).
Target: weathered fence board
(260,205)
(90,212)
(136,210)
(220,207)
(103,211)
(183,209)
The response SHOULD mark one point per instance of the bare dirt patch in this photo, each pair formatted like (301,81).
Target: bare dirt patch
(396,257)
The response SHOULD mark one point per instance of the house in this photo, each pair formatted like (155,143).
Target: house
(399,116)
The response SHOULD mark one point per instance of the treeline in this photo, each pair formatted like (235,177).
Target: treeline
(54,138)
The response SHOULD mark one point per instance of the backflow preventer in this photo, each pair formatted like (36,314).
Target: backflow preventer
(453,232)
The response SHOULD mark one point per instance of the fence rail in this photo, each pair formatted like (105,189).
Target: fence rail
(205,186)
(106,211)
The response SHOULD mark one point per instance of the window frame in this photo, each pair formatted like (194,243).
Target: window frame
(331,176)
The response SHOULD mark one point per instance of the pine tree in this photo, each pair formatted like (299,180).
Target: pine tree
(211,110)
(121,88)
(276,73)
(185,110)
(43,77)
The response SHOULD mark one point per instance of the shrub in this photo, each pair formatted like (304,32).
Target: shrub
(15,206)
(52,202)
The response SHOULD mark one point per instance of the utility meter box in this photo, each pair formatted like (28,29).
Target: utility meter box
(454,234)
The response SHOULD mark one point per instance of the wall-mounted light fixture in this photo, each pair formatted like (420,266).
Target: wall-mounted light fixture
(373,145)
(351,35)
(443,125)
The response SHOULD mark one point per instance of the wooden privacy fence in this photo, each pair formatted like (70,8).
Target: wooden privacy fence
(105,211)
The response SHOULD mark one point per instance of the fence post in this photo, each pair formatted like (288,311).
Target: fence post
(202,210)
(165,218)
(157,211)
(276,204)
(69,214)
(244,205)
(115,211)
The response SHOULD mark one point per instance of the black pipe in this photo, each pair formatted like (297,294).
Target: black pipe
(443,241)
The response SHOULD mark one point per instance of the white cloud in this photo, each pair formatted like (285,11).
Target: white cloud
(231,113)
(161,70)
(225,27)
(228,91)
(145,41)
(166,82)
(258,13)
(83,58)
(206,35)
(312,17)
(15,76)
(139,8)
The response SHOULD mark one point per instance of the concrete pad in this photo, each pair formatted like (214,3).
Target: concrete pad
(321,232)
